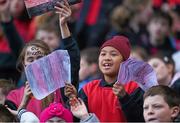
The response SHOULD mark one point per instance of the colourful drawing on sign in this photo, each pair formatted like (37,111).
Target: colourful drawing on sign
(49,73)
(138,71)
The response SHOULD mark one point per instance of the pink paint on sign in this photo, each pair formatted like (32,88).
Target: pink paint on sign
(49,73)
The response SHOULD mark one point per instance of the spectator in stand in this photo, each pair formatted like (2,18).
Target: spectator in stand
(161,104)
(89,69)
(120,19)
(165,71)
(160,38)
(113,102)
(14,11)
(50,34)
(138,53)
(141,12)
(175,13)
(93,23)
(22,97)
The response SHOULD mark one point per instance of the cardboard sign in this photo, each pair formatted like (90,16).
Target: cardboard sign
(38,7)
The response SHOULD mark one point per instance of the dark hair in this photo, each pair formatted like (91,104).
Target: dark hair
(5,115)
(120,17)
(6,85)
(163,15)
(169,95)
(37,43)
(90,54)
(134,5)
(141,51)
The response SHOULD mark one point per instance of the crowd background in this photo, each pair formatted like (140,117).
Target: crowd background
(152,27)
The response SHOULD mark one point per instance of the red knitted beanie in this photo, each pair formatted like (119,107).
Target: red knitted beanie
(121,43)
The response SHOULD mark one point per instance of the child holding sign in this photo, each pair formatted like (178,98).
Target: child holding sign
(37,49)
(109,100)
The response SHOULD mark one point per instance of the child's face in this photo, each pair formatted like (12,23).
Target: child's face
(156,109)
(17,7)
(158,29)
(56,120)
(84,71)
(160,69)
(109,61)
(32,53)
(50,38)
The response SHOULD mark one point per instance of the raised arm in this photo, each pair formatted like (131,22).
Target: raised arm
(64,11)
(15,41)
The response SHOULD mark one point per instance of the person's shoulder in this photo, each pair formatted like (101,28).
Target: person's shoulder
(16,91)
(92,84)
(176,86)
(177,82)
(91,87)
(131,86)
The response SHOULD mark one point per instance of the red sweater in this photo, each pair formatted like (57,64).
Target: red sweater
(103,102)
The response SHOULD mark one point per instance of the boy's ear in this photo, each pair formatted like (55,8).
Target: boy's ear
(175,111)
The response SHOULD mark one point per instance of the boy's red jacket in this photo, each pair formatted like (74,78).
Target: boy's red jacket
(101,100)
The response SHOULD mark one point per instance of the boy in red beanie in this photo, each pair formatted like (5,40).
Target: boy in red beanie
(110,101)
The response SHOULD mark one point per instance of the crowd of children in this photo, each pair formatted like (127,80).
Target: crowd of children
(99,37)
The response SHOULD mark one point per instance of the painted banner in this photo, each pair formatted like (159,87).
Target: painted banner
(49,73)
(138,71)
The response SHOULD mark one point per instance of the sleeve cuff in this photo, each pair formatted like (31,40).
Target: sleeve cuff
(87,119)
(124,99)
(20,112)
(6,23)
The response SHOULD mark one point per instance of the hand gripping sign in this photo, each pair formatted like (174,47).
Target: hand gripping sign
(138,71)
(49,73)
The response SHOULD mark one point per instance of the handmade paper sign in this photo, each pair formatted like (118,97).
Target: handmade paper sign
(138,71)
(49,73)
(38,7)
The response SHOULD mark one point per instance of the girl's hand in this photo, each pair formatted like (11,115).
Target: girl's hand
(70,91)
(64,11)
(27,91)
(26,97)
(13,112)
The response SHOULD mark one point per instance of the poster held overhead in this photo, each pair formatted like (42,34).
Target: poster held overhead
(38,7)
